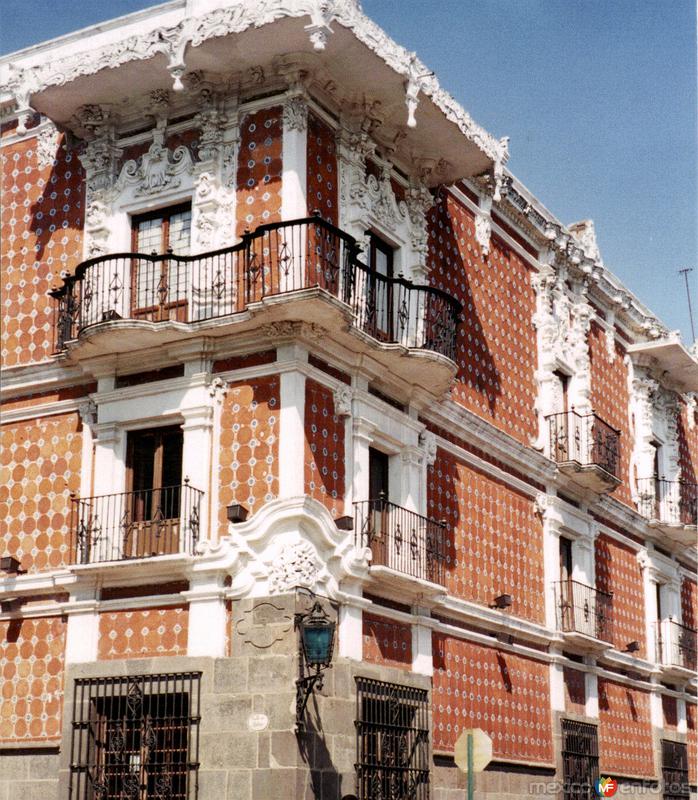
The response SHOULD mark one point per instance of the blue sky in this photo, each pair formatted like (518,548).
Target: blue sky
(598,97)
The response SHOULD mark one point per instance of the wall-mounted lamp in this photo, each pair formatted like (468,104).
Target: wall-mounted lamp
(236,513)
(503,601)
(632,647)
(316,645)
(9,564)
(10,606)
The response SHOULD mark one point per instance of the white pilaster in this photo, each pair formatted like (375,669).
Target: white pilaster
(207,616)
(422,659)
(682,722)
(295,146)
(109,459)
(351,629)
(591,688)
(362,436)
(292,423)
(551,555)
(196,456)
(82,635)
(557,687)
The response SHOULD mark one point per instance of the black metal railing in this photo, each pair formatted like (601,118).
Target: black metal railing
(676,644)
(402,540)
(584,439)
(584,609)
(275,259)
(670,502)
(140,524)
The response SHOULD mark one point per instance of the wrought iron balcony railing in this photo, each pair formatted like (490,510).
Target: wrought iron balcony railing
(669,502)
(676,645)
(402,540)
(140,524)
(274,260)
(584,439)
(584,609)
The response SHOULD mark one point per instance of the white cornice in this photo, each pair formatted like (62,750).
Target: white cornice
(42,410)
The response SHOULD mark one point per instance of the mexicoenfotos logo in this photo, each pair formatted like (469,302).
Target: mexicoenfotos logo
(606,787)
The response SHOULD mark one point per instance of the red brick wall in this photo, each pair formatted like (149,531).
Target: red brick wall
(259,169)
(496,348)
(508,696)
(322,170)
(692,722)
(618,571)
(40,461)
(625,730)
(610,400)
(688,445)
(143,633)
(575,690)
(387,642)
(324,448)
(248,470)
(495,538)
(36,251)
(31,684)
(689,603)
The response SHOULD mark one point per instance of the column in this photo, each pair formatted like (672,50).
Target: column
(351,623)
(109,459)
(82,634)
(295,149)
(196,467)
(292,423)
(422,661)
(591,689)
(207,614)
(557,686)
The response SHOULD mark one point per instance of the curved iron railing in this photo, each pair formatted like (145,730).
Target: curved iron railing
(669,502)
(585,439)
(275,259)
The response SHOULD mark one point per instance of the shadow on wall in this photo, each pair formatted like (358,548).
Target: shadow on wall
(325,780)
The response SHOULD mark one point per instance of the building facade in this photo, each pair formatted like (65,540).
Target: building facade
(286,344)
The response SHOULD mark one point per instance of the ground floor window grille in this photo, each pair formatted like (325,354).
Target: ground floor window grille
(580,760)
(675,770)
(136,738)
(392,758)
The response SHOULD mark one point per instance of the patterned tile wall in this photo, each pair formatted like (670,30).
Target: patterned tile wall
(387,642)
(31,685)
(625,730)
(506,695)
(689,602)
(40,462)
(610,400)
(322,170)
(324,448)
(41,232)
(249,446)
(495,538)
(692,723)
(143,633)
(259,169)
(688,444)
(618,571)
(575,690)
(496,348)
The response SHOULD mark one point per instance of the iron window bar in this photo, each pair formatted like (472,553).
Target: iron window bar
(675,770)
(669,502)
(392,744)
(275,259)
(135,737)
(584,609)
(580,760)
(584,439)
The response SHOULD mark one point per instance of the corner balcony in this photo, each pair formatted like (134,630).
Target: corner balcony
(135,525)
(405,546)
(669,506)
(584,615)
(306,270)
(676,648)
(586,449)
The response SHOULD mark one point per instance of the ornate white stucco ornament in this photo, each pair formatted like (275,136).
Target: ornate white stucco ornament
(159,169)
(295,114)
(296,565)
(427,441)
(342,401)
(46,145)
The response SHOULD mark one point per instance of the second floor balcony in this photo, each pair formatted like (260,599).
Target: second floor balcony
(586,449)
(584,614)
(138,524)
(402,542)
(676,647)
(306,270)
(671,506)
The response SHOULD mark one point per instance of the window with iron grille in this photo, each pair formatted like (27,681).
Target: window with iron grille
(136,738)
(580,760)
(392,752)
(675,770)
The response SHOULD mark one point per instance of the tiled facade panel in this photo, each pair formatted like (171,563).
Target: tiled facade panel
(508,696)
(249,446)
(143,633)
(687,432)
(322,170)
(689,603)
(625,730)
(610,399)
(618,572)
(386,642)
(692,726)
(324,448)
(495,539)
(31,678)
(41,236)
(669,712)
(496,347)
(259,169)
(575,690)
(41,461)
